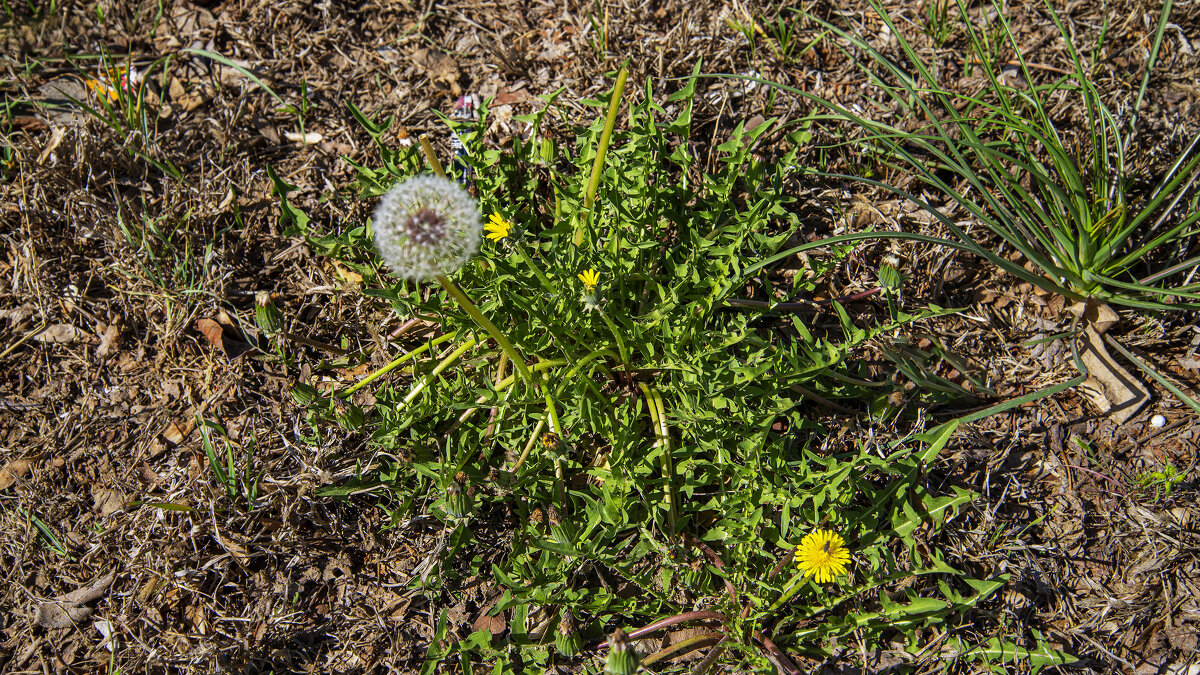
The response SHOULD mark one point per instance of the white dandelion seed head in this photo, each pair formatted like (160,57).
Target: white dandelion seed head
(426,226)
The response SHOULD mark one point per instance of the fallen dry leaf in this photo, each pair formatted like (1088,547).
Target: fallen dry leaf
(107,500)
(173,434)
(197,618)
(505,97)
(307,138)
(1110,388)
(215,333)
(56,137)
(441,68)
(496,625)
(17,315)
(347,274)
(60,333)
(109,341)
(14,470)
(69,609)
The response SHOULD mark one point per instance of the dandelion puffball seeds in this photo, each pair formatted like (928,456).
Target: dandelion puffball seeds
(426,226)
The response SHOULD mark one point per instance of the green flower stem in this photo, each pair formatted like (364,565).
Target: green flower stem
(432,157)
(537,271)
(485,323)
(402,359)
(557,206)
(537,431)
(614,105)
(428,379)
(624,351)
(507,382)
(662,439)
(501,366)
(584,361)
(537,368)
(556,427)
(551,410)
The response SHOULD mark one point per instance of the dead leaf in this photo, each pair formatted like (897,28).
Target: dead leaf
(173,434)
(703,636)
(60,333)
(110,340)
(441,68)
(355,372)
(217,336)
(213,331)
(346,274)
(1098,316)
(69,609)
(17,315)
(107,500)
(234,549)
(29,123)
(267,130)
(1109,387)
(14,470)
(307,138)
(197,618)
(505,97)
(496,625)
(56,137)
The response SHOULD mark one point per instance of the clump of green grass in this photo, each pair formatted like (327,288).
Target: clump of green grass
(120,102)
(1070,209)
(656,457)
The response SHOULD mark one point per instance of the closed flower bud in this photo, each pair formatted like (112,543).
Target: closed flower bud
(567,638)
(561,531)
(458,502)
(266,315)
(303,394)
(622,656)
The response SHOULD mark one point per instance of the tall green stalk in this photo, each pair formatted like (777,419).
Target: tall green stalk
(486,323)
(614,105)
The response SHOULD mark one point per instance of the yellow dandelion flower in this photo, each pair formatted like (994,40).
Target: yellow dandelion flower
(822,555)
(497,227)
(590,280)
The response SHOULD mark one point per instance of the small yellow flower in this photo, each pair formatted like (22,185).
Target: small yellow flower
(102,89)
(497,227)
(822,555)
(590,280)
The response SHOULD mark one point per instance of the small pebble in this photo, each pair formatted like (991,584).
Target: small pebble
(1158,421)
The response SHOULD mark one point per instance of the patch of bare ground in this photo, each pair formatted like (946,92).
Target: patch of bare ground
(112,524)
